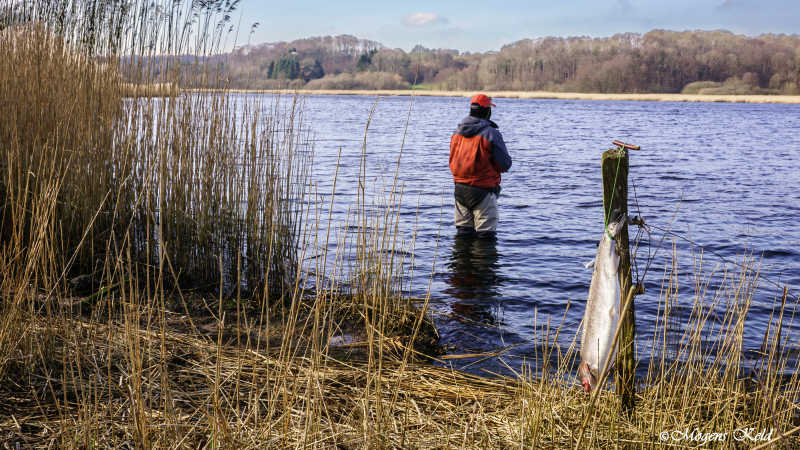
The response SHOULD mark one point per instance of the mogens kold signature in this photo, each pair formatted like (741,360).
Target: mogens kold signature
(741,434)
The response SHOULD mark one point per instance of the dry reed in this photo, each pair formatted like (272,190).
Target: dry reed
(149,197)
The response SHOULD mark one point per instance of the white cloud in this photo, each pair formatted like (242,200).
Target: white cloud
(730,4)
(424,19)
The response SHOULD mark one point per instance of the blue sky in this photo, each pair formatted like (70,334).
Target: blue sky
(485,25)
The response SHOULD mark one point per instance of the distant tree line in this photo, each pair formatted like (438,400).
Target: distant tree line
(658,61)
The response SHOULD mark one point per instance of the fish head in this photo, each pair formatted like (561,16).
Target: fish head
(588,378)
(615,226)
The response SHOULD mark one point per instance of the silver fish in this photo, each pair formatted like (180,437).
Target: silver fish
(602,309)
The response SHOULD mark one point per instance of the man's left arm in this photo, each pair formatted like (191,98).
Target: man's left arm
(499,151)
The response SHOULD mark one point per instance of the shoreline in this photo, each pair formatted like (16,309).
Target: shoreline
(535,95)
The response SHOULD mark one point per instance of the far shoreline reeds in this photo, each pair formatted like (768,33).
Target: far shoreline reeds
(149,90)
(536,95)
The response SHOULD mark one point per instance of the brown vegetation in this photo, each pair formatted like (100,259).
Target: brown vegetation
(362,80)
(154,294)
(149,90)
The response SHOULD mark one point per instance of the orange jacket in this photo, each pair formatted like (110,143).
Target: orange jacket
(478,153)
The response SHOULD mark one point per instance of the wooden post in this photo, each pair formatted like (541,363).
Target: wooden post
(615,198)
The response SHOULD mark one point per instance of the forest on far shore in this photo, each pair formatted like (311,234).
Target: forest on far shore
(693,62)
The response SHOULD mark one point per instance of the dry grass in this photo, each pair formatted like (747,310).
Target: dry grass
(172,184)
(163,379)
(207,395)
(149,90)
(149,197)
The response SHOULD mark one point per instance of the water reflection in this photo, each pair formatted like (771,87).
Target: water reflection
(473,279)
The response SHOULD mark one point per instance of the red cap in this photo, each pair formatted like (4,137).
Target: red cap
(482,100)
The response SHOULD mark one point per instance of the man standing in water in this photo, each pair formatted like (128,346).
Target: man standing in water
(478,156)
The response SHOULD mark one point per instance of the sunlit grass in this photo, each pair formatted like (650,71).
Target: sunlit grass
(165,282)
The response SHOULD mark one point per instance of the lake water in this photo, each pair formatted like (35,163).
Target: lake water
(734,170)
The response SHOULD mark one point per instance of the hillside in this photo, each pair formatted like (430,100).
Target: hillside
(696,62)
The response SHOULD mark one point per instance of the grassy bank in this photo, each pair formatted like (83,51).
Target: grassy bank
(792,99)
(165,283)
(184,377)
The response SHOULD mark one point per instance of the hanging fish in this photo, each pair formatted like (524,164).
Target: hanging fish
(602,308)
